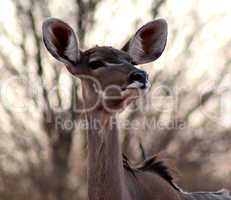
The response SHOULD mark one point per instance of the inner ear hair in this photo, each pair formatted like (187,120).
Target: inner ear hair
(61,41)
(148,43)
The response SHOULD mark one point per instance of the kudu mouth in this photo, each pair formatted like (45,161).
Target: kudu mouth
(138,80)
(138,85)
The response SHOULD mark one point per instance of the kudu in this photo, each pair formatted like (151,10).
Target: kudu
(110,80)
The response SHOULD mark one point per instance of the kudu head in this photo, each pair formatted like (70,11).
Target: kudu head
(109,76)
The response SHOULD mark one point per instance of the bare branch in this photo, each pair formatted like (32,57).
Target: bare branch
(156,7)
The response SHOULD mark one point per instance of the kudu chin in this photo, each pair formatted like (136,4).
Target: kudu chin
(110,80)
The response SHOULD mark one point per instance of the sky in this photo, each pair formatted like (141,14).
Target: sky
(115,21)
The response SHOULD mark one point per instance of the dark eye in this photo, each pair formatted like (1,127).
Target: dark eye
(133,63)
(96,64)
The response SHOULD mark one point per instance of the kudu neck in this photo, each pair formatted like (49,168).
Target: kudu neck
(105,166)
(91,98)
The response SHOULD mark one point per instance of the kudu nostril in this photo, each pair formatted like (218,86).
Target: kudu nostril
(140,76)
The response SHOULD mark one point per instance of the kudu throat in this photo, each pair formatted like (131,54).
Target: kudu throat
(105,167)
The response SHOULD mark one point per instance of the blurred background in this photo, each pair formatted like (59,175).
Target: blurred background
(186,115)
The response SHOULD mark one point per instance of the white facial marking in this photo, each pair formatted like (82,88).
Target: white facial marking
(135,85)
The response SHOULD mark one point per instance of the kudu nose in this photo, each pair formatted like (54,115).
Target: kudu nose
(140,76)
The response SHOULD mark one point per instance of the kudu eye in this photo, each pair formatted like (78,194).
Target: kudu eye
(96,64)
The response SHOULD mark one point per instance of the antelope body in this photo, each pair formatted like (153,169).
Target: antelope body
(110,80)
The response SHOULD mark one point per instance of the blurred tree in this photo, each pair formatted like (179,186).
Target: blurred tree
(30,14)
(36,157)
(171,119)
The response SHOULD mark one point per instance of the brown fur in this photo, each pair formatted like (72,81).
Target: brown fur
(155,165)
(110,175)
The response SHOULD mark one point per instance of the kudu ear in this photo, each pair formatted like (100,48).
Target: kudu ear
(148,43)
(60,40)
